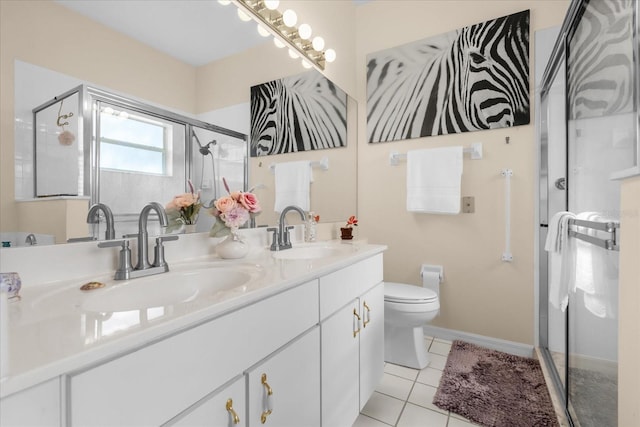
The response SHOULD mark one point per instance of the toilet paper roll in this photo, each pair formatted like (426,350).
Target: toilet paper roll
(431,280)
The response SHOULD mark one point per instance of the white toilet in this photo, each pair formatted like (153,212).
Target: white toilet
(406,309)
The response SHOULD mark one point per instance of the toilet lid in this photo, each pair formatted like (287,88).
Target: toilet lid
(401,292)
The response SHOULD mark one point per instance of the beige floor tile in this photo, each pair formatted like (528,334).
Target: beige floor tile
(401,371)
(416,416)
(442,340)
(437,361)
(440,348)
(383,408)
(395,386)
(364,421)
(422,395)
(430,376)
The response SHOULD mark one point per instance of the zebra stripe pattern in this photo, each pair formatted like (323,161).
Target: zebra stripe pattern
(299,113)
(464,80)
(600,70)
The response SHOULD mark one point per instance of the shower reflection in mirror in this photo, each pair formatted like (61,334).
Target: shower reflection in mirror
(127,153)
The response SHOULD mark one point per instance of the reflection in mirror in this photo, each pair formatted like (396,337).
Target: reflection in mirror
(215,90)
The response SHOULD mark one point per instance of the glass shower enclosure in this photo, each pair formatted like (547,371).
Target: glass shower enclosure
(124,153)
(589,132)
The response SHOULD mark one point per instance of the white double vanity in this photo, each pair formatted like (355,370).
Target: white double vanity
(293,340)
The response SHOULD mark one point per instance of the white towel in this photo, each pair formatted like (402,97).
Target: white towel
(433,180)
(292,185)
(596,271)
(561,259)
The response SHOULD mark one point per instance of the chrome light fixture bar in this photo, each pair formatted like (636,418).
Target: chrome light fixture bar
(274,21)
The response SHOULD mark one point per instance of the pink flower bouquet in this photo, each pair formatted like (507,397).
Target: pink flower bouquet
(184,208)
(233,211)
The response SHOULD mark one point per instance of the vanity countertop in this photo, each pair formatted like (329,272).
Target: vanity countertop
(57,328)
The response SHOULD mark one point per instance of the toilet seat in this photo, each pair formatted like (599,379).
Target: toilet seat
(408,294)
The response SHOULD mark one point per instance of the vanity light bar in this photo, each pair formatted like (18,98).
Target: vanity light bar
(274,22)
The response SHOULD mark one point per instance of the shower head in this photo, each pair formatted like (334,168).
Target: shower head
(204,149)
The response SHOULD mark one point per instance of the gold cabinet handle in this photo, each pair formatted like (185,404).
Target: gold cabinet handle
(355,331)
(265,414)
(368,315)
(234,415)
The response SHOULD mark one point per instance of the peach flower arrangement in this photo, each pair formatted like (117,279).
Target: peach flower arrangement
(233,211)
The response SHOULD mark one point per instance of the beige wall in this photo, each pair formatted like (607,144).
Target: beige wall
(629,323)
(48,35)
(480,294)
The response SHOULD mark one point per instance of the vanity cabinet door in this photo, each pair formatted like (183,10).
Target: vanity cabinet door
(225,407)
(371,342)
(284,389)
(340,366)
(36,406)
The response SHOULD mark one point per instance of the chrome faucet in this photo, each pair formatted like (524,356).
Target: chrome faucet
(94,218)
(143,235)
(125,269)
(31,240)
(281,238)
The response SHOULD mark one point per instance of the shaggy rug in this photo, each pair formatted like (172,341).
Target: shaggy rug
(494,389)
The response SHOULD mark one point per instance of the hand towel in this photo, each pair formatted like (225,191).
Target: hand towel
(433,180)
(292,181)
(561,259)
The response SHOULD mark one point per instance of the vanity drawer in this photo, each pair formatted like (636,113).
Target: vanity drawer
(153,384)
(342,286)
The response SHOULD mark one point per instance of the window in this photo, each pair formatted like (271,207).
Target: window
(134,143)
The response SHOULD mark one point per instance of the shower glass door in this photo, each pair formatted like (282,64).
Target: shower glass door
(601,132)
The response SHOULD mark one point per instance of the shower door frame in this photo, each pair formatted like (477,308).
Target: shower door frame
(557,58)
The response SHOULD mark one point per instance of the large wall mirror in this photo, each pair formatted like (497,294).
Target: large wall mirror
(221,57)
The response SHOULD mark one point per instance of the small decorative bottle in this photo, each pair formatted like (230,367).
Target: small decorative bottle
(310,228)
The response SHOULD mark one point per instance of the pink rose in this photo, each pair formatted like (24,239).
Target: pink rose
(185,200)
(250,202)
(235,195)
(225,204)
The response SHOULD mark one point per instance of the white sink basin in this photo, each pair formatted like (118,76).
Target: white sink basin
(308,252)
(187,283)
(163,289)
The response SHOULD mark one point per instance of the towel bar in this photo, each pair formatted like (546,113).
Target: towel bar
(323,164)
(475,152)
(607,227)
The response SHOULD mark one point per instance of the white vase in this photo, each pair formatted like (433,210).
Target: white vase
(233,247)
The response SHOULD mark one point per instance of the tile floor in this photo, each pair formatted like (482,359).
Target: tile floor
(403,397)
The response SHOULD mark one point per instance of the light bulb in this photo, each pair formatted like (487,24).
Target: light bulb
(306,64)
(318,43)
(243,16)
(108,110)
(293,54)
(224,2)
(123,115)
(330,55)
(278,43)
(305,31)
(263,31)
(272,4)
(289,18)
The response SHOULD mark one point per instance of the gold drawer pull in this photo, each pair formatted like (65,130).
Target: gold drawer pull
(234,416)
(355,331)
(265,414)
(367,316)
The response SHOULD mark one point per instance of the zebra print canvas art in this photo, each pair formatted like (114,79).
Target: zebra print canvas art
(465,80)
(600,68)
(298,113)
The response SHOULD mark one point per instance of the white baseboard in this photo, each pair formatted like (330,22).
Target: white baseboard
(510,347)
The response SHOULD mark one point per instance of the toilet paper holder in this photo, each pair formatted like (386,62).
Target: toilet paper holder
(427,268)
